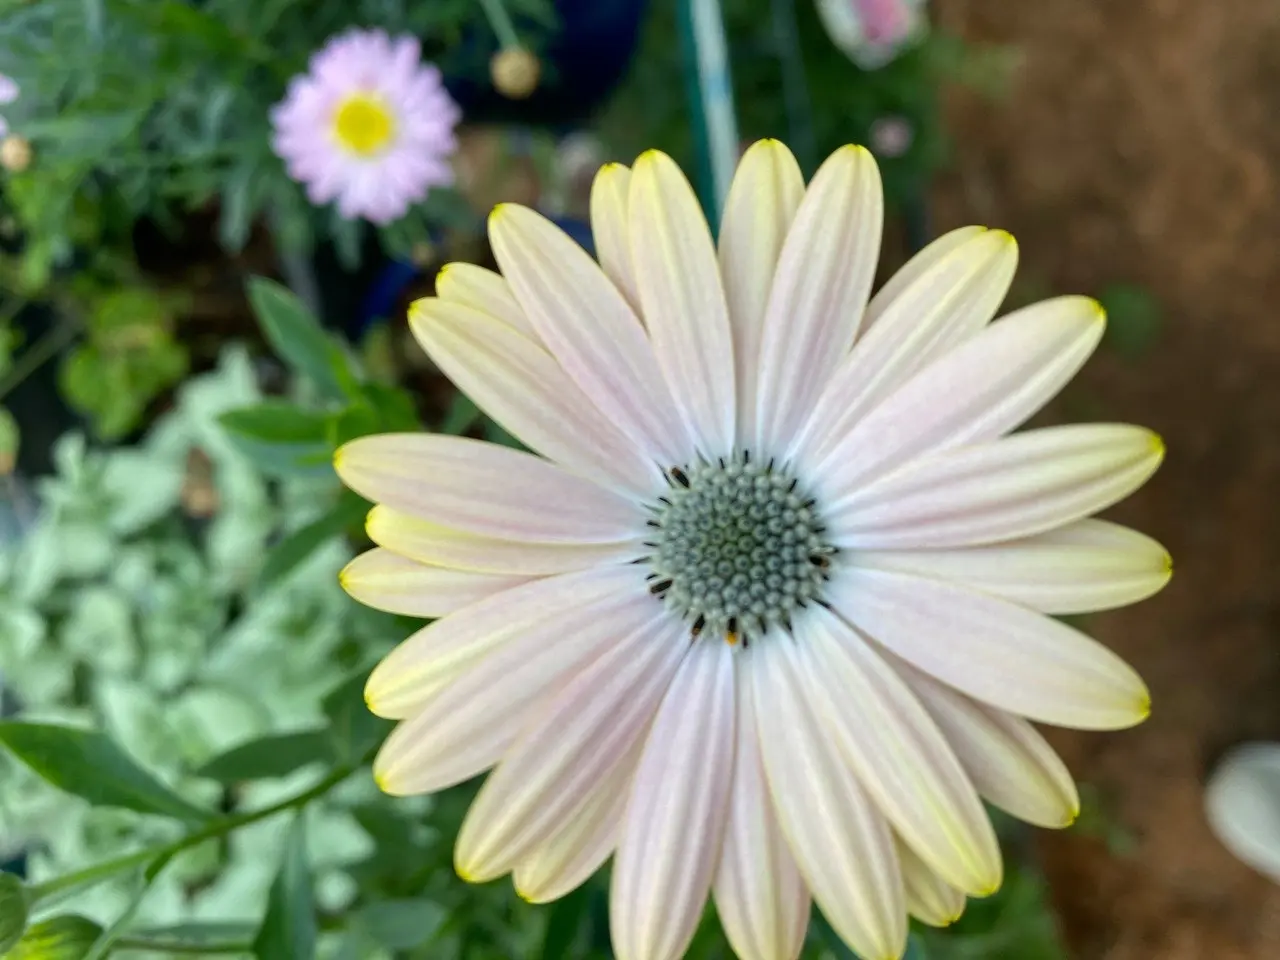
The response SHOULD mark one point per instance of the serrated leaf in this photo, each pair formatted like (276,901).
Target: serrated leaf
(286,555)
(288,930)
(91,766)
(275,756)
(66,937)
(401,924)
(298,339)
(352,728)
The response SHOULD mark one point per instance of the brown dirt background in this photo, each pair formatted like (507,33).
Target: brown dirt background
(1140,142)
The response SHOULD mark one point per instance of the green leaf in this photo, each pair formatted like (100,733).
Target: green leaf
(275,756)
(401,924)
(280,437)
(288,930)
(286,555)
(352,728)
(297,337)
(197,932)
(66,937)
(463,413)
(91,766)
(394,407)
(568,914)
(13,910)
(240,199)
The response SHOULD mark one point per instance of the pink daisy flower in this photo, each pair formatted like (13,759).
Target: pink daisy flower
(8,94)
(370,126)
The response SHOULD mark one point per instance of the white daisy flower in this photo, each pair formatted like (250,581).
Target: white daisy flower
(764,616)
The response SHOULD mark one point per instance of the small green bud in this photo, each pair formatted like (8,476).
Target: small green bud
(67,937)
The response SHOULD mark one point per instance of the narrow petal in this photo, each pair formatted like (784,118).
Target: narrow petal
(1085,566)
(841,842)
(675,819)
(1017,486)
(1008,760)
(819,292)
(590,329)
(943,306)
(587,732)
(929,899)
(523,388)
(484,290)
(440,546)
(474,721)
(424,664)
(571,856)
(899,754)
(484,488)
(1001,653)
(762,202)
(682,299)
(386,581)
(976,392)
(761,899)
(917,267)
(610,201)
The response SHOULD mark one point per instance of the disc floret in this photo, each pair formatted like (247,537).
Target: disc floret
(738,547)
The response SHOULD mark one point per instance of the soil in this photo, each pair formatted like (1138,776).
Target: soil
(1139,143)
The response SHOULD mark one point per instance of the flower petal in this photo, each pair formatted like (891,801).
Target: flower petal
(841,843)
(521,386)
(473,722)
(385,581)
(915,268)
(1085,566)
(976,392)
(484,488)
(929,899)
(480,289)
(761,899)
(682,299)
(415,671)
(819,292)
(762,202)
(589,729)
(440,546)
(674,822)
(1016,486)
(899,755)
(610,203)
(589,327)
(1008,760)
(569,857)
(1001,653)
(946,304)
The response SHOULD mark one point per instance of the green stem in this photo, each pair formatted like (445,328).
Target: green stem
(181,946)
(39,353)
(100,871)
(500,20)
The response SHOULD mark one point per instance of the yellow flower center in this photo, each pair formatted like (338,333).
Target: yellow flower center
(363,124)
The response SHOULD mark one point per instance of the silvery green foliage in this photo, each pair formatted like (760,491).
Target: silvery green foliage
(120,612)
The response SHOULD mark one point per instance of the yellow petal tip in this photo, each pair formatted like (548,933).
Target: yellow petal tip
(1167,563)
(1006,238)
(1144,706)
(380,776)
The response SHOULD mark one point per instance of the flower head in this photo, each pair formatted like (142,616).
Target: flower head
(872,32)
(764,614)
(370,125)
(8,94)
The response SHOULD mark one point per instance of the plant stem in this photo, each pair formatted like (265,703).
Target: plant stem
(500,20)
(181,946)
(39,353)
(100,871)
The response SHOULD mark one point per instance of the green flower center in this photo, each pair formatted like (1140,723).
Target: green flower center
(738,547)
